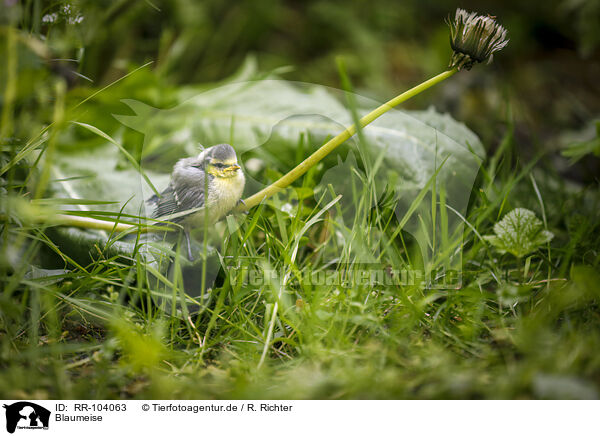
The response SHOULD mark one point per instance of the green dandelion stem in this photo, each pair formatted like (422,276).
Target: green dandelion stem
(90,223)
(333,143)
(97,224)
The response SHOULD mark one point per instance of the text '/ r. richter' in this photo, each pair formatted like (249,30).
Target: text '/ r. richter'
(197,408)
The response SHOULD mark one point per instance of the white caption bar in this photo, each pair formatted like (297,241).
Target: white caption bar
(165,418)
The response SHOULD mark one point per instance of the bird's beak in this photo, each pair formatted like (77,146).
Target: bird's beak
(234,168)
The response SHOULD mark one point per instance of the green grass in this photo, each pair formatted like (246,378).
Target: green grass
(517,328)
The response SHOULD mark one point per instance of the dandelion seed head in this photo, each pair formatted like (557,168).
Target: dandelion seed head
(474,38)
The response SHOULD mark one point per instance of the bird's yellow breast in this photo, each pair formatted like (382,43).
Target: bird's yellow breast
(225,192)
(223,195)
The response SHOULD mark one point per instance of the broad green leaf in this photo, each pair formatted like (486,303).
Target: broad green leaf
(269,121)
(265,119)
(520,232)
(277,123)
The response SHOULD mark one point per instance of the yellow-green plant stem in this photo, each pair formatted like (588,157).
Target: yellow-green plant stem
(97,224)
(333,143)
(90,223)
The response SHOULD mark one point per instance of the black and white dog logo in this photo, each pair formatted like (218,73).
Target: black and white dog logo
(26,415)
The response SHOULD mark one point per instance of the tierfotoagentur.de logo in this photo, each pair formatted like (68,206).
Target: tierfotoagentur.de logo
(25,415)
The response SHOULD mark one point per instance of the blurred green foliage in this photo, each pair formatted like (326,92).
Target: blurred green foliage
(547,74)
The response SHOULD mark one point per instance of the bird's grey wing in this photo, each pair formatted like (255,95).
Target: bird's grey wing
(152,201)
(179,197)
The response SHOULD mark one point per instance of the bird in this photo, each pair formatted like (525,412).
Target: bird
(212,181)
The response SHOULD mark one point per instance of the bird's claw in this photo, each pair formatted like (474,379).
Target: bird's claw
(241,201)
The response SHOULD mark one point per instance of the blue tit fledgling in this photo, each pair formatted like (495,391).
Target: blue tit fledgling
(213,181)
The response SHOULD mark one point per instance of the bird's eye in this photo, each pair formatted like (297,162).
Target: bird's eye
(219,165)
